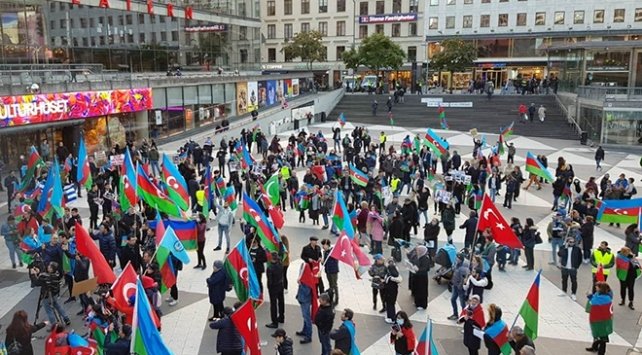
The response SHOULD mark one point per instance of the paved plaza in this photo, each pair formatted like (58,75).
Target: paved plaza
(563,323)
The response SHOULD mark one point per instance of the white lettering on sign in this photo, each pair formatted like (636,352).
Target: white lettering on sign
(425,100)
(450,104)
(30,109)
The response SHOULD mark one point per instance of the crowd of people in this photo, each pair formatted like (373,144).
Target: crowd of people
(387,206)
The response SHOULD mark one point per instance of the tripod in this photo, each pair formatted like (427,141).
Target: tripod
(49,297)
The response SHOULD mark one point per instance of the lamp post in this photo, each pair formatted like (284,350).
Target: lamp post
(354,21)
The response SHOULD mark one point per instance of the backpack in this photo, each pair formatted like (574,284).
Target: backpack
(14,348)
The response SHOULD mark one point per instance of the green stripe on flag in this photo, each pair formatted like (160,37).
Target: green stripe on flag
(530,317)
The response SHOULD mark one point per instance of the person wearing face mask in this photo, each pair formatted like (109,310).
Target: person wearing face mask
(473,318)
(570,261)
(390,290)
(402,335)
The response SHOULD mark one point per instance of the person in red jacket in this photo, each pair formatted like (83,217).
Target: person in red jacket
(402,335)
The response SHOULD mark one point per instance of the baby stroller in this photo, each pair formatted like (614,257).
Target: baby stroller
(445,258)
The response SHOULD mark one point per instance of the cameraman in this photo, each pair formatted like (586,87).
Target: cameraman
(49,283)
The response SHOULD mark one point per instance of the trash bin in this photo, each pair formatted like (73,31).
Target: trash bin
(323,117)
(583,138)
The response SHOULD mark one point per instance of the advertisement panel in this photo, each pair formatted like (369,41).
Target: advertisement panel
(287,87)
(262,93)
(241,97)
(390,18)
(45,108)
(302,112)
(295,87)
(281,89)
(252,90)
(271,92)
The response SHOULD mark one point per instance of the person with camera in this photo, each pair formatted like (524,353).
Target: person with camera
(121,345)
(19,334)
(402,335)
(377,272)
(49,282)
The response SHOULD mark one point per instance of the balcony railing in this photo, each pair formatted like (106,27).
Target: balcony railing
(609,93)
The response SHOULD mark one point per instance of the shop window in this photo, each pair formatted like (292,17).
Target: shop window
(598,16)
(340,50)
(522,18)
(341,5)
(305,27)
(413,6)
(468,2)
(271,31)
(484,21)
(524,47)
(271,55)
(559,18)
(540,19)
(379,28)
(502,20)
(287,7)
(305,6)
(578,17)
(363,8)
(451,2)
(341,28)
(323,28)
(485,2)
(618,15)
(271,8)
(323,6)
(396,6)
(412,54)
(450,22)
(467,22)
(638,15)
(491,48)
(363,31)
(412,29)
(380,7)
(433,23)
(396,30)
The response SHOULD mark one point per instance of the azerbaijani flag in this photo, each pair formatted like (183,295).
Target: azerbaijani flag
(246,157)
(535,167)
(500,145)
(255,217)
(619,211)
(208,196)
(426,346)
(601,315)
(530,309)
(341,217)
(169,244)
(128,183)
(436,144)
(342,120)
(146,339)
(358,177)
(230,197)
(83,173)
(51,202)
(442,117)
(238,265)
(498,331)
(185,230)
(506,131)
(622,263)
(154,196)
(176,185)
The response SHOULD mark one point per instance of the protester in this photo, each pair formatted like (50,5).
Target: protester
(217,285)
(600,317)
(228,341)
(628,270)
(19,334)
(344,336)
(323,320)
(402,335)
(275,279)
(283,343)
(570,261)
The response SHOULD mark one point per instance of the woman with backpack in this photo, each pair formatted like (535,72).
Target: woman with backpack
(19,333)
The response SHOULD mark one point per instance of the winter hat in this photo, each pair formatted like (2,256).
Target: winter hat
(218,264)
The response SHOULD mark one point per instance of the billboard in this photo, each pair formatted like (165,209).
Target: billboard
(272,97)
(388,18)
(45,108)
(253,99)
(302,112)
(241,97)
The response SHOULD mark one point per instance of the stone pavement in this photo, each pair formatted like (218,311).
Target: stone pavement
(563,324)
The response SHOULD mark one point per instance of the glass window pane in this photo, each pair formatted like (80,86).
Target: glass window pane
(559,17)
(578,17)
(540,19)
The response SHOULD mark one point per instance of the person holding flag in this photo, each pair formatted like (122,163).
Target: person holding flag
(473,318)
(229,340)
(602,256)
(600,317)
(628,270)
(496,332)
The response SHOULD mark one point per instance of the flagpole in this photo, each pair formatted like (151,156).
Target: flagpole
(472,252)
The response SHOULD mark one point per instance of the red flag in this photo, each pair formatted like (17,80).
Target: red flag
(150,7)
(104,4)
(358,253)
(170,10)
(310,279)
(244,320)
(275,213)
(189,13)
(88,248)
(477,316)
(319,172)
(129,5)
(599,274)
(342,250)
(124,288)
(75,2)
(490,217)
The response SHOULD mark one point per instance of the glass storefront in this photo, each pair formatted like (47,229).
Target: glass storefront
(622,127)
(22,34)
(590,121)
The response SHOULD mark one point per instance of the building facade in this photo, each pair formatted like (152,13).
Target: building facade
(513,36)
(343,23)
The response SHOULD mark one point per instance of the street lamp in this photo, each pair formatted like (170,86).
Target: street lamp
(354,21)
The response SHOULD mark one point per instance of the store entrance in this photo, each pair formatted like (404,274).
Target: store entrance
(496,76)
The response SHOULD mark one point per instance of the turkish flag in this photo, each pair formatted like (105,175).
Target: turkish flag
(244,320)
(104,4)
(319,172)
(310,279)
(489,217)
(75,2)
(599,274)
(88,248)
(124,288)
(342,250)
(189,13)
(275,213)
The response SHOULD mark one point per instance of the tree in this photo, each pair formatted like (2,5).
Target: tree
(379,52)
(352,59)
(456,55)
(307,46)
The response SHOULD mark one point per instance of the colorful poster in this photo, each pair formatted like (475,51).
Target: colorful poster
(262,93)
(241,98)
(280,90)
(287,87)
(253,92)
(295,87)
(271,93)
(44,108)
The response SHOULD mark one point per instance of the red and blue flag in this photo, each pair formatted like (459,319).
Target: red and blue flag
(175,184)
(436,143)
(358,177)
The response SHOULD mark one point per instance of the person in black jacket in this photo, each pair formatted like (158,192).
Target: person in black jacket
(331,271)
(341,336)
(228,341)
(122,344)
(283,343)
(570,261)
(217,285)
(311,251)
(81,273)
(431,232)
(20,331)
(470,225)
(131,253)
(259,257)
(323,320)
(275,290)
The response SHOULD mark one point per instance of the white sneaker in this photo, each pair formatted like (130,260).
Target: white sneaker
(173,302)
(573,297)
(420,308)
(388,320)
(169,299)
(586,261)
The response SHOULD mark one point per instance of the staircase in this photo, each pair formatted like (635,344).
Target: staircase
(486,116)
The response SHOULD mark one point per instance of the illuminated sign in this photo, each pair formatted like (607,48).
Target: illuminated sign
(219,27)
(388,18)
(44,108)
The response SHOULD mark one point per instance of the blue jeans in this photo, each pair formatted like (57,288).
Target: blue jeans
(47,304)
(425,214)
(457,294)
(223,230)
(556,243)
(325,219)
(493,194)
(326,345)
(13,252)
(307,319)
(155,167)
(555,202)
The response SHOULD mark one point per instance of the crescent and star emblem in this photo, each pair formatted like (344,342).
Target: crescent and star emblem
(243,274)
(490,211)
(169,182)
(126,288)
(620,212)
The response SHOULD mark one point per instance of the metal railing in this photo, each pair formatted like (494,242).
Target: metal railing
(605,93)
(570,116)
